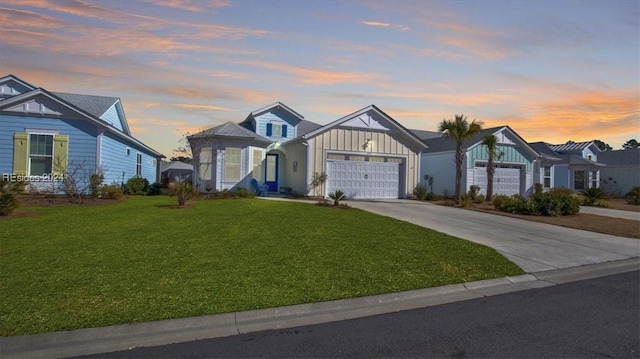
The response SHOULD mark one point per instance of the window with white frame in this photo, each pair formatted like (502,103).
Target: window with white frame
(594,179)
(40,154)
(547,176)
(205,163)
(257,164)
(139,164)
(232,164)
(579,179)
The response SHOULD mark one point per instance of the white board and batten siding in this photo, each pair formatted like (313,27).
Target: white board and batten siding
(383,168)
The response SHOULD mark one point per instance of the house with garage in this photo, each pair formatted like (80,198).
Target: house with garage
(621,171)
(518,165)
(45,136)
(578,167)
(366,154)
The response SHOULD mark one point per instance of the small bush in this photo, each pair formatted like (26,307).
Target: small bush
(634,195)
(431,197)
(473,192)
(593,197)
(337,196)
(479,198)
(538,189)
(95,184)
(155,189)
(113,191)
(420,193)
(8,192)
(183,190)
(556,202)
(244,193)
(136,185)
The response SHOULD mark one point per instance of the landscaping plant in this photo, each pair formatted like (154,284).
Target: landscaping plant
(8,192)
(337,196)
(634,195)
(593,197)
(136,185)
(183,190)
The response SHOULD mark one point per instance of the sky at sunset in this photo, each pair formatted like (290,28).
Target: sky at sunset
(552,70)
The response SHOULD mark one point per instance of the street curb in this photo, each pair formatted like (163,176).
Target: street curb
(123,337)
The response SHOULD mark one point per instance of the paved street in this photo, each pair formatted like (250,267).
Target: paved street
(585,319)
(531,245)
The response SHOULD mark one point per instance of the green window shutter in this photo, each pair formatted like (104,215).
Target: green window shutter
(20,153)
(60,153)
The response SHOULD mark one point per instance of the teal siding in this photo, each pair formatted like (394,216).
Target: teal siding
(511,154)
(112,116)
(118,167)
(82,138)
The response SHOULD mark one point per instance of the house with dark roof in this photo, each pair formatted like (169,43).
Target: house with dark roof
(47,136)
(621,172)
(518,165)
(578,166)
(366,154)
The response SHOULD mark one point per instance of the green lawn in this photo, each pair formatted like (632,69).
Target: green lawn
(78,266)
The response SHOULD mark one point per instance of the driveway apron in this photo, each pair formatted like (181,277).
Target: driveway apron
(533,246)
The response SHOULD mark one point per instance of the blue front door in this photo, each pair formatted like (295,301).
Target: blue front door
(271,172)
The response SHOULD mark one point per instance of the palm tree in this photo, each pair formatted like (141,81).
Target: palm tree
(459,130)
(491,142)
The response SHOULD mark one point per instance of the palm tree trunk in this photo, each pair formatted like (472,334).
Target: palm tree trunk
(490,172)
(459,159)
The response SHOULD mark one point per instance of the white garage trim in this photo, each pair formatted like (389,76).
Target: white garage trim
(366,175)
(508,178)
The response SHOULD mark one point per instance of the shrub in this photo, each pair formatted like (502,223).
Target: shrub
(155,189)
(420,193)
(634,195)
(556,202)
(8,192)
(431,197)
(337,196)
(569,201)
(183,190)
(136,185)
(473,192)
(244,193)
(95,184)
(593,197)
(479,198)
(112,191)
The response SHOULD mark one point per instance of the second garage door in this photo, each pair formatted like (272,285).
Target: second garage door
(363,179)
(507,179)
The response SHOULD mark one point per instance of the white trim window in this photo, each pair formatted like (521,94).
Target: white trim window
(139,164)
(232,164)
(546,176)
(40,154)
(257,164)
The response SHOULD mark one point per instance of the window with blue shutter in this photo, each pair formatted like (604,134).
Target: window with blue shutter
(284,130)
(269,129)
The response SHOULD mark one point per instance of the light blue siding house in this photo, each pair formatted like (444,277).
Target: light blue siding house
(45,136)
(518,166)
(577,166)
(366,154)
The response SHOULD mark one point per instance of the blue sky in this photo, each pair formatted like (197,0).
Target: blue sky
(552,70)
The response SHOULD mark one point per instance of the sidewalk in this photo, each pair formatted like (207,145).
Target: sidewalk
(122,337)
(608,212)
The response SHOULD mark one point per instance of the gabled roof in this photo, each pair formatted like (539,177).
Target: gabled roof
(545,152)
(276,105)
(95,105)
(573,147)
(82,113)
(425,135)
(305,127)
(445,143)
(399,128)
(230,129)
(573,159)
(620,158)
(5,79)
(175,165)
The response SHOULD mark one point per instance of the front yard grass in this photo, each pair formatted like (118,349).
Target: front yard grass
(79,266)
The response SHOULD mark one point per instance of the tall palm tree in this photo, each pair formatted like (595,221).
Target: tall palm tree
(491,142)
(459,130)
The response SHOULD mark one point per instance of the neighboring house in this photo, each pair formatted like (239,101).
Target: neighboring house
(518,166)
(175,171)
(47,135)
(622,171)
(578,167)
(366,154)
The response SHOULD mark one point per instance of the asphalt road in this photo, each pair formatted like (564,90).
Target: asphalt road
(586,319)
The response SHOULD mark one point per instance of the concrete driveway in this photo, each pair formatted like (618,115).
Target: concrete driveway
(533,246)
